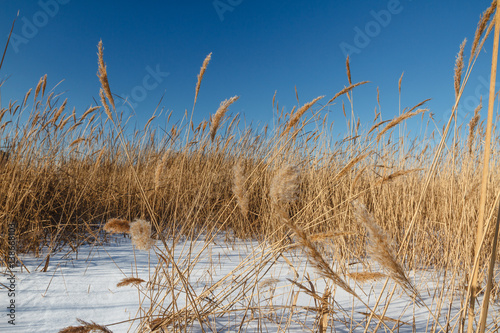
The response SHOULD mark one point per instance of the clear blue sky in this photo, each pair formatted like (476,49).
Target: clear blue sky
(257,47)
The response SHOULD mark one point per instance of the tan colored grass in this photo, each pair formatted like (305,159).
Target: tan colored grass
(216,119)
(380,250)
(117,226)
(140,230)
(102,74)
(239,189)
(284,185)
(105,104)
(283,188)
(200,76)
(363,277)
(328,236)
(459,66)
(86,327)
(394,122)
(294,119)
(481,26)
(160,168)
(129,281)
(472,125)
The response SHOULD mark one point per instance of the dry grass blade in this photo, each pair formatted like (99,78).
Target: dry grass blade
(380,250)
(326,236)
(114,226)
(308,291)
(349,166)
(8,40)
(283,188)
(362,277)
(86,327)
(217,117)
(102,74)
(377,125)
(239,189)
(129,281)
(397,174)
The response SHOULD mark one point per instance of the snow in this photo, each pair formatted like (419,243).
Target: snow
(84,285)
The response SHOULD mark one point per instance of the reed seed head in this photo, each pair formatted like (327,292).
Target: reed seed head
(284,185)
(217,117)
(117,226)
(140,230)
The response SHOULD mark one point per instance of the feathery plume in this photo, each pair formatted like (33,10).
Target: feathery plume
(159,170)
(348,68)
(129,281)
(85,327)
(481,25)
(200,76)
(379,249)
(105,104)
(102,74)
(473,123)
(459,66)
(296,116)
(283,190)
(140,231)
(399,119)
(284,185)
(117,226)
(217,117)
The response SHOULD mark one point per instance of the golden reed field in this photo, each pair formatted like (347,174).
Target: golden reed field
(376,195)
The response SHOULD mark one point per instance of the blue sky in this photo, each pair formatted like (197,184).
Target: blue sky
(156,48)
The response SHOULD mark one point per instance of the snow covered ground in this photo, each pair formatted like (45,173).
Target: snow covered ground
(248,284)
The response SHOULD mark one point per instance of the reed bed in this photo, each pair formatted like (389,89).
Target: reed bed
(292,186)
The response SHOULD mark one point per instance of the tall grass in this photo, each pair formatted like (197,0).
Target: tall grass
(67,175)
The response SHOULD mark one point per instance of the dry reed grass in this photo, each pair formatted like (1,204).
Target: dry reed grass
(61,195)
(140,230)
(129,281)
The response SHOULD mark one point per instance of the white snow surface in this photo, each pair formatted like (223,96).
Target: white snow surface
(83,285)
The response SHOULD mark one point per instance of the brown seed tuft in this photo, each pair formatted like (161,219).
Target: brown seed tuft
(117,226)
(130,281)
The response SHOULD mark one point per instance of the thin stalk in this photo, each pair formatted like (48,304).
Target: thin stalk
(484,181)
(489,283)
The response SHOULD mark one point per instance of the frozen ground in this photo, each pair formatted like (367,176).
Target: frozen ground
(84,285)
